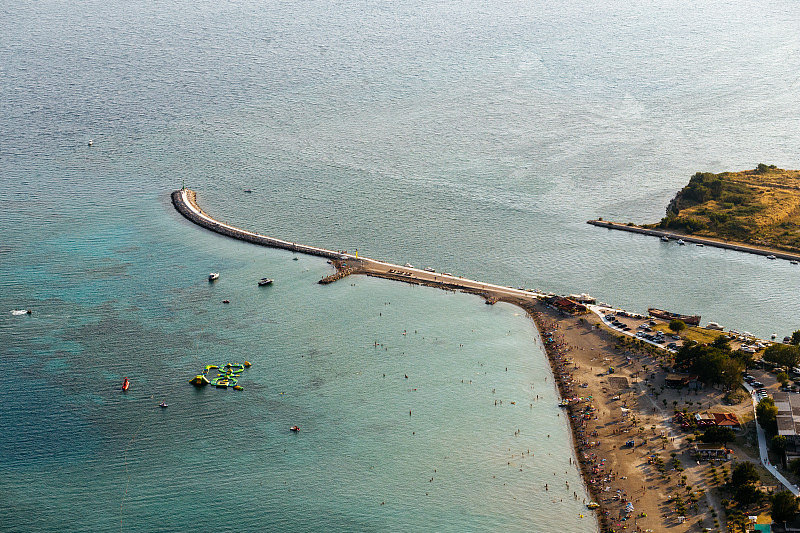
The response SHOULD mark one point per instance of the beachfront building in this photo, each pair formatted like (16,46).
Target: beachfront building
(567,305)
(679,381)
(726,420)
(789,422)
(713,452)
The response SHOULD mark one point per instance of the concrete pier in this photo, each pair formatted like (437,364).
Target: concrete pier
(705,241)
(185,201)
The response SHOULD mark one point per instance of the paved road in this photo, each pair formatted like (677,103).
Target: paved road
(762,448)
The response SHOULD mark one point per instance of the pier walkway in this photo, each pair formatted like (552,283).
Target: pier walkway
(705,241)
(185,201)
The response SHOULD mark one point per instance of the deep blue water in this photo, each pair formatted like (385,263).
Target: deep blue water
(473,138)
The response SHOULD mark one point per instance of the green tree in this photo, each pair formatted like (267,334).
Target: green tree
(782,354)
(722,342)
(766,414)
(744,473)
(778,443)
(784,506)
(783,378)
(718,434)
(677,325)
(731,373)
(795,340)
(747,494)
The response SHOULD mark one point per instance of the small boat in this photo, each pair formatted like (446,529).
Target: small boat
(162,404)
(91,142)
(294,428)
(226,301)
(792,262)
(771,257)
(126,384)
(664,238)
(429,269)
(680,241)
(408,265)
(213,276)
(265,281)
(700,245)
(248,190)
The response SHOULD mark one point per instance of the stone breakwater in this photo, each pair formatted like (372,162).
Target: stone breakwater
(185,203)
(696,240)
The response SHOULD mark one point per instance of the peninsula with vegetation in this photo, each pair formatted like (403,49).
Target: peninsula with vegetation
(759,207)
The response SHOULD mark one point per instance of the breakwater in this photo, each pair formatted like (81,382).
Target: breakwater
(766,252)
(185,202)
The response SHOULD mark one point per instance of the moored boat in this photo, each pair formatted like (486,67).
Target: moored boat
(771,257)
(664,238)
(692,320)
(294,428)
(680,241)
(213,276)
(265,281)
(126,384)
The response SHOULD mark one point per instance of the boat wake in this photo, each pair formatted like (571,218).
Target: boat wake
(19,311)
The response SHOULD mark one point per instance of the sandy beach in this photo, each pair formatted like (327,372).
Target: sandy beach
(613,409)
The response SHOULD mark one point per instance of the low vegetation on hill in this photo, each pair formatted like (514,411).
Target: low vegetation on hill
(760,207)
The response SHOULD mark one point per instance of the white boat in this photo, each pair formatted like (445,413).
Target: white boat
(714,325)
(265,281)
(792,262)
(429,269)
(408,265)
(213,276)
(771,257)
(680,241)
(664,238)
(700,245)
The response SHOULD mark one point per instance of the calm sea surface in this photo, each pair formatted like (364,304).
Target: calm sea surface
(476,138)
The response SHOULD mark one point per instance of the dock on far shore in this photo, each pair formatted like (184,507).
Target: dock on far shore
(705,241)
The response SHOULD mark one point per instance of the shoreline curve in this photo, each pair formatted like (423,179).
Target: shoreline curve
(185,202)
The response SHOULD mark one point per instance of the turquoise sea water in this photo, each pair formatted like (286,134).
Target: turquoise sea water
(473,138)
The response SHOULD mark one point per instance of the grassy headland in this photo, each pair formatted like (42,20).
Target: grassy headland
(760,207)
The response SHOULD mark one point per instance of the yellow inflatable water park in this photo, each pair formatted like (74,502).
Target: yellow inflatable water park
(227,375)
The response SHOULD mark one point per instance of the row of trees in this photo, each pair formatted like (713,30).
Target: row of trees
(745,491)
(714,363)
(787,355)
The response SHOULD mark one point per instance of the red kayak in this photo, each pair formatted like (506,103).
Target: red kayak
(126,384)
